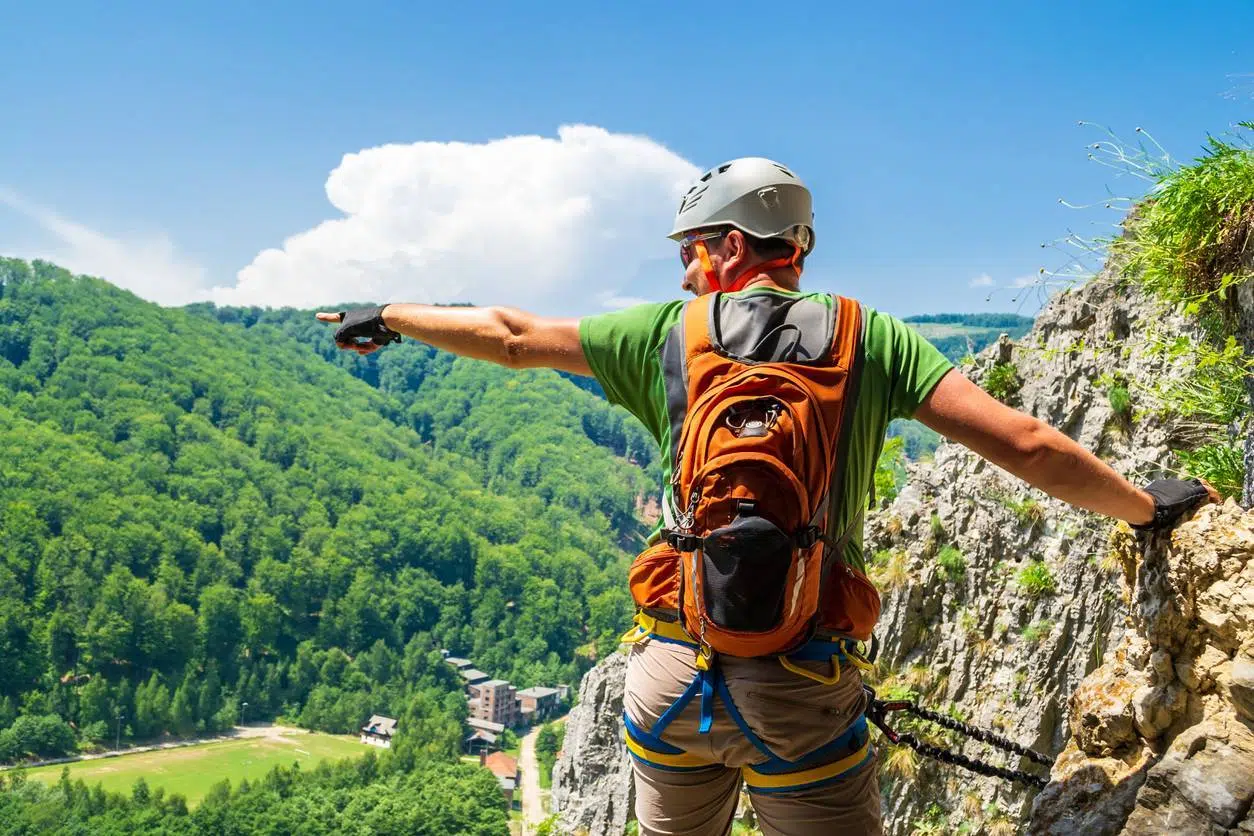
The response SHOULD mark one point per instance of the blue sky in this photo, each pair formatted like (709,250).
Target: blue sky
(178,151)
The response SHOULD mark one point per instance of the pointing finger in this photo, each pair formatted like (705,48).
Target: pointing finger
(329,317)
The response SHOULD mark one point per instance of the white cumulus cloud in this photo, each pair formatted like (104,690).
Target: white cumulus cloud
(523,220)
(982,280)
(149,267)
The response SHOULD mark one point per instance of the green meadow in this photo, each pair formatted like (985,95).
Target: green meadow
(191,770)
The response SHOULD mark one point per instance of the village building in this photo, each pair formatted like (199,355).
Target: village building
(378,731)
(472,676)
(483,736)
(495,700)
(537,704)
(505,769)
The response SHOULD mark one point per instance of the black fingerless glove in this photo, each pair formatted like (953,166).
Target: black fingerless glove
(365,325)
(1173,498)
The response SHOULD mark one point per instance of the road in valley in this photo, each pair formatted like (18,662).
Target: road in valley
(532,806)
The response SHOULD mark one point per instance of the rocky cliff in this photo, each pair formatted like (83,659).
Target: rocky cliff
(999,600)
(1245,308)
(1162,734)
(592,789)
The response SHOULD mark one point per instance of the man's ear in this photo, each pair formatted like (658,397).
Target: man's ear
(736,250)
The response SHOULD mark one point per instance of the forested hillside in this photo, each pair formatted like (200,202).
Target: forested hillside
(203,510)
(958,336)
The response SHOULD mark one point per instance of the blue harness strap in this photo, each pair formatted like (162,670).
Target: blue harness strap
(832,761)
(822,651)
(677,707)
(707,679)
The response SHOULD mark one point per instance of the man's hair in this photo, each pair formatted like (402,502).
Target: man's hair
(766,249)
(772,248)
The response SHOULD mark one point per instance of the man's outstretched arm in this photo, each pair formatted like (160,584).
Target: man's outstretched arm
(1032,450)
(506,336)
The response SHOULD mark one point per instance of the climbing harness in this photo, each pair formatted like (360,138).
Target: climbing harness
(833,761)
(838,758)
(877,709)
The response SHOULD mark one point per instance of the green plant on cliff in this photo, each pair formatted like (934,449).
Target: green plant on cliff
(952,561)
(1193,231)
(1036,579)
(1003,383)
(1219,464)
(1120,399)
(933,821)
(1189,242)
(890,469)
(1037,630)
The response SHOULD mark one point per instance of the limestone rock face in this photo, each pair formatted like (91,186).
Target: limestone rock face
(1033,600)
(1189,765)
(1245,313)
(592,787)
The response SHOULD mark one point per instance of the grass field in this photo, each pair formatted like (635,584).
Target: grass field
(192,770)
(932,330)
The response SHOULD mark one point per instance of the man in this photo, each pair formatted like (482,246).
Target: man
(791,727)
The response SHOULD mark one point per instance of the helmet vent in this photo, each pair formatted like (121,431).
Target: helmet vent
(722,169)
(786,171)
(691,198)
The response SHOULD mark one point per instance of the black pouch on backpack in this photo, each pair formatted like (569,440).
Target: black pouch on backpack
(746,566)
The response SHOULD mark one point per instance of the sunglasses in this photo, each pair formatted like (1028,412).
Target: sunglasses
(686,251)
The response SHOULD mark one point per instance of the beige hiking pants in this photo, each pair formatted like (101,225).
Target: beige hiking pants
(696,793)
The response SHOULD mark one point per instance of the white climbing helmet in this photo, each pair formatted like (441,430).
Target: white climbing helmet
(753,194)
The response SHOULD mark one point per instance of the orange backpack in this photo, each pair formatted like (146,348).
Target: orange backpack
(760,390)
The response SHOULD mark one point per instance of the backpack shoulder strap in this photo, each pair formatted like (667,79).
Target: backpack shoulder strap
(697,338)
(847,336)
(848,353)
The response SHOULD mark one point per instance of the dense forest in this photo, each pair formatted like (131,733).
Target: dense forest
(995,321)
(957,336)
(205,508)
(388,795)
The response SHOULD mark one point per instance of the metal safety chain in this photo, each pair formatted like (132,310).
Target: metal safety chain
(877,709)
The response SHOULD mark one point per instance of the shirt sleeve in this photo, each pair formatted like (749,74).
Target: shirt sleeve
(621,349)
(912,366)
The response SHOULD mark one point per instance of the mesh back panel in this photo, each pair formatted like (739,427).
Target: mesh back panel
(746,568)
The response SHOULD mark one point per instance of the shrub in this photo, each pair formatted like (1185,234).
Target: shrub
(890,469)
(1033,633)
(952,561)
(1219,464)
(1036,579)
(1120,400)
(1003,383)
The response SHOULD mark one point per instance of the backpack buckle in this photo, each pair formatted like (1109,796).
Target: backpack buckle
(682,542)
(807,537)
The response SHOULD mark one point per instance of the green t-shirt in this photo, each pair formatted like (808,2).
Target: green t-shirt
(900,369)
